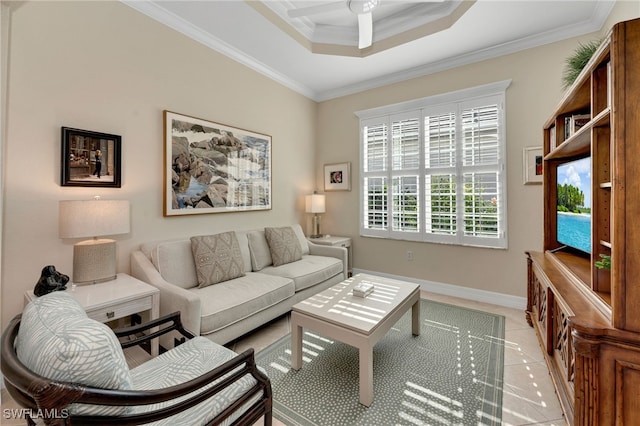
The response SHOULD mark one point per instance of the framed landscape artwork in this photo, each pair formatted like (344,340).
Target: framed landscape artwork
(337,177)
(214,168)
(90,158)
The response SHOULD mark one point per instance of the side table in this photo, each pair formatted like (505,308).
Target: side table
(111,300)
(334,240)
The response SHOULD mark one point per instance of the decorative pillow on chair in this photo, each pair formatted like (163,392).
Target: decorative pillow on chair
(283,244)
(57,340)
(218,258)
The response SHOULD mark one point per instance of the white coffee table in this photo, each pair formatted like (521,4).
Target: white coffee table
(356,321)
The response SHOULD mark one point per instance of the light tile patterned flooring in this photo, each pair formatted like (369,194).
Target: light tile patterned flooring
(528,399)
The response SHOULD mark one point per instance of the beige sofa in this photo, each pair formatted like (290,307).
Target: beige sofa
(227,310)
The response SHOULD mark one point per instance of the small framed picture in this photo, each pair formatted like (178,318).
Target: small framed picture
(533,165)
(337,177)
(90,158)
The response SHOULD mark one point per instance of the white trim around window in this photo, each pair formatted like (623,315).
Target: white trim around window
(434,169)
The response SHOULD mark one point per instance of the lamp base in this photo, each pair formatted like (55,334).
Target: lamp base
(316,227)
(94,261)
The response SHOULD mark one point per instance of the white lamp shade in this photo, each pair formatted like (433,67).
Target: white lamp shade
(93,218)
(314,203)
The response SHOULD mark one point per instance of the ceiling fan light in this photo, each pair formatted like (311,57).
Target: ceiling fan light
(362,6)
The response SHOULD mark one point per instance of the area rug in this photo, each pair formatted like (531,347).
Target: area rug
(449,375)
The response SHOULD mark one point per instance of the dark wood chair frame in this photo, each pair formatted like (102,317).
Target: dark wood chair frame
(42,395)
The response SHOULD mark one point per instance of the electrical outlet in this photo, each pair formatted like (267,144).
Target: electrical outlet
(409,255)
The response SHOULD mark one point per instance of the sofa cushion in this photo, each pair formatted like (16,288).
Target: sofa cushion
(259,250)
(283,244)
(243,240)
(302,239)
(308,271)
(57,340)
(231,301)
(174,261)
(183,363)
(217,258)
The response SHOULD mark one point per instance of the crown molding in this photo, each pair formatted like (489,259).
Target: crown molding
(147,7)
(175,22)
(594,24)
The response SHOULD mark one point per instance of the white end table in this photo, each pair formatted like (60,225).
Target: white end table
(334,240)
(111,300)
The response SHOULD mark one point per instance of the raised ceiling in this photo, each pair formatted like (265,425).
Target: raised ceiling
(317,55)
(331,27)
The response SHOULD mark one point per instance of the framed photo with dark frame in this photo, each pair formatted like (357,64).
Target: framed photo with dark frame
(211,167)
(90,159)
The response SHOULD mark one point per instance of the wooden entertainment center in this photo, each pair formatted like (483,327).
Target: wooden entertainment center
(588,319)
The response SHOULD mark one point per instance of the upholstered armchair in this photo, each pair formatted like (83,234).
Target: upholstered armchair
(65,369)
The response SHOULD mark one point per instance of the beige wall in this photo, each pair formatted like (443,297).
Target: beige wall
(533,94)
(622,11)
(103,66)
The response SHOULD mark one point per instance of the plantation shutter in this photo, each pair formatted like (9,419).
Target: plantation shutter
(375,158)
(481,174)
(405,165)
(440,174)
(436,172)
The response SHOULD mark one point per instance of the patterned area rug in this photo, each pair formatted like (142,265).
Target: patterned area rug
(449,375)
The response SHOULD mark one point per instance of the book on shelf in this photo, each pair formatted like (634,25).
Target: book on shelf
(573,123)
(552,138)
(363,289)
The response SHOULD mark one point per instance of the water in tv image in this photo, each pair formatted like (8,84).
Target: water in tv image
(574,204)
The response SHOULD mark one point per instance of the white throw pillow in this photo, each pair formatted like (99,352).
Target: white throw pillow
(260,254)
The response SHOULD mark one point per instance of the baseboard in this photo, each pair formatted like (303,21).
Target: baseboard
(478,295)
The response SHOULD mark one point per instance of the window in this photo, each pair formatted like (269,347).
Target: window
(433,169)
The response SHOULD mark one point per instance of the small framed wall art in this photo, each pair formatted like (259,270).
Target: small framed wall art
(214,168)
(337,177)
(90,158)
(533,165)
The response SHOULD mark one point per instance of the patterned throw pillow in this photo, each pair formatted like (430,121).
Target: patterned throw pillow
(57,340)
(218,258)
(283,244)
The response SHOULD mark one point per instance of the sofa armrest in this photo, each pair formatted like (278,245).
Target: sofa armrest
(172,297)
(331,251)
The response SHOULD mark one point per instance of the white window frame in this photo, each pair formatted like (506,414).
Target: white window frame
(489,94)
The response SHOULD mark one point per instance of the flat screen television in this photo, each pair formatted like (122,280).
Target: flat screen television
(574,204)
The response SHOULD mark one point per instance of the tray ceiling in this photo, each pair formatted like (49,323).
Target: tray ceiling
(317,55)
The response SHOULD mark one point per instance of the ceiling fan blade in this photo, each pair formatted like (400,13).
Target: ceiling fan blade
(313,10)
(365,30)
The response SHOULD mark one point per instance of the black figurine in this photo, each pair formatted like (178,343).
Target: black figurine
(50,280)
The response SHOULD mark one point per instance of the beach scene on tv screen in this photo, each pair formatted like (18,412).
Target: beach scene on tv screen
(574,204)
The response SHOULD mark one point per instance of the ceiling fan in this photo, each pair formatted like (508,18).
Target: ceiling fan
(362,8)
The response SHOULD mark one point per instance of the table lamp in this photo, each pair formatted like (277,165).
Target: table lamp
(94,260)
(315,204)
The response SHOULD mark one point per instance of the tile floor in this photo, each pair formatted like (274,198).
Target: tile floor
(528,399)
